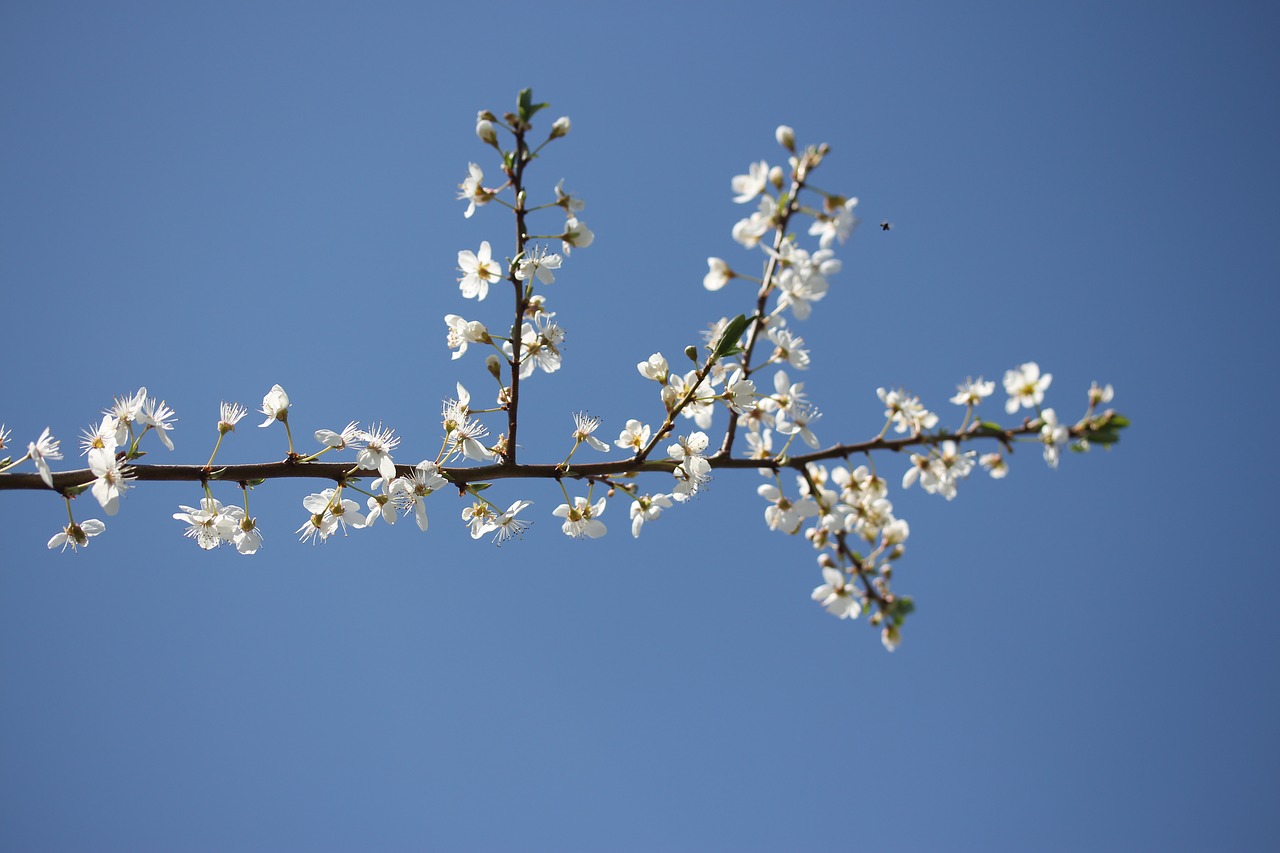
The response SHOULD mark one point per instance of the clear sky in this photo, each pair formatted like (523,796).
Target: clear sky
(209,199)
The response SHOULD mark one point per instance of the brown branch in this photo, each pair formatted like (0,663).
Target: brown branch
(340,472)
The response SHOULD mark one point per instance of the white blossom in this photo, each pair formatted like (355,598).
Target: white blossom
(752,184)
(77,535)
(479,270)
(582,519)
(1025,386)
(647,508)
(41,451)
(837,594)
(275,405)
(583,427)
(1053,435)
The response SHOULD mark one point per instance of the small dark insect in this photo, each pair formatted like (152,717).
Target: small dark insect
(886,225)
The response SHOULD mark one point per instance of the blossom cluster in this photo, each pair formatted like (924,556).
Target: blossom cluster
(738,405)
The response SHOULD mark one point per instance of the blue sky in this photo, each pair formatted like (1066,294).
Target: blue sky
(209,200)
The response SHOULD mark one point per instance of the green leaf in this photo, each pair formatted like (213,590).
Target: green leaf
(728,343)
(527,107)
(902,607)
(72,491)
(988,426)
(1101,436)
(1117,422)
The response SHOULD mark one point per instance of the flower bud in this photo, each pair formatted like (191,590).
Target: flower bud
(776,177)
(560,127)
(484,130)
(786,137)
(494,366)
(691,353)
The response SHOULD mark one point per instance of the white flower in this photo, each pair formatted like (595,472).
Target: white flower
(583,426)
(247,538)
(645,509)
(126,411)
(339,440)
(747,232)
(230,415)
(467,438)
(376,453)
(752,184)
(157,416)
(40,451)
(718,274)
(472,189)
(1054,435)
(634,437)
(940,470)
(275,405)
(837,226)
(972,392)
(414,487)
(760,446)
(209,526)
(538,264)
(463,332)
(383,506)
(789,347)
(480,518)
(507,525)
(693,470)
(1025,386)
(784,514)
(1100,395)
(995,464)
(896,532)
(570,204)
(905,411)
(540,344)
(101,437)
(701,405)
(741,393)
(582,519)
(576,235)
(785,394)
(111,482)
(77,535)
(837,595)
(655,368)
(329,513)
(478,272)
(796,419)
